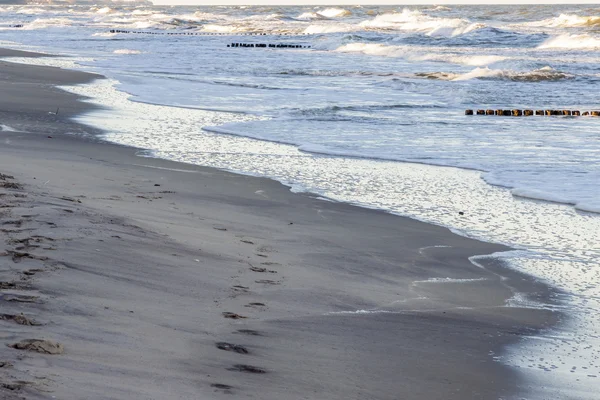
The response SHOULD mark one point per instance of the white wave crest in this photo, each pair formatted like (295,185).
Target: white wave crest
(409,53)
(31,10)
(104,34)
(6,128)
(470,60)
(441,8)
(309,16)
(374,49)
(42,23)
(334,12)
(567,21)
(330,28)
(223,28)
(566,41)
(142,12)
(416,21)
(105,10)
(127,51)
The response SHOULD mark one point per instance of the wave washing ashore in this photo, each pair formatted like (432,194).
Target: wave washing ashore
(378,86)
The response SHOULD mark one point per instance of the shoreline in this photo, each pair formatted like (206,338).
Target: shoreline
(328,257)
(516,192)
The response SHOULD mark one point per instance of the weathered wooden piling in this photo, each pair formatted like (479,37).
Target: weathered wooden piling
(529,112)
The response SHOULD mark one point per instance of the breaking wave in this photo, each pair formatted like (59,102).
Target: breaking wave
(308,16)
(538,75)
(127,51)
(567,21)
(330,28)
(416,21)
(412,54)
(575,42)
(334,12)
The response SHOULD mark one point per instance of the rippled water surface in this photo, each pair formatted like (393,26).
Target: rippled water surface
(372,87)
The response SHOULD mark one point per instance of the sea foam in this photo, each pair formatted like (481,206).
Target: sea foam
(416,21)
(575,42)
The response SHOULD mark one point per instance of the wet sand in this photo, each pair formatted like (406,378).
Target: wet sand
(165,280)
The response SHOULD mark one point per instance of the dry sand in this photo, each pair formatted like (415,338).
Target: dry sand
(141,278)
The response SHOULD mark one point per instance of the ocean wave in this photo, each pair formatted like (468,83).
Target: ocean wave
(470,60)
(588,207)
(450,280)
(332,110)
(575,42)
(412,54)
(142,12)
(216,28)
(538,75)
(566,21)
(416,21)
(541,195)
(328,13)
(309,16)
(104,34)
(330,28)
(41,23)
(105,10)
(335,12)
(440,8)
(374,49)
(127,51)
(247,85)
(326,72)
(31,11)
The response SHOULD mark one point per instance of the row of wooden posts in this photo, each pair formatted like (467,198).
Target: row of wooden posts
(194,33)
(528,113)
(270,45)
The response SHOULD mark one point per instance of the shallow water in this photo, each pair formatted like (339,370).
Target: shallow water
(378,85)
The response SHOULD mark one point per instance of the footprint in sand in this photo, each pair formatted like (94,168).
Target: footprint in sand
(249,332)
(221,386)
(248,369)
(19,319)
(233,315)
(254,305)
(268,282)
(269,263)
(236,348)
(265,249)
(19,299)
(9,285)
(259,269)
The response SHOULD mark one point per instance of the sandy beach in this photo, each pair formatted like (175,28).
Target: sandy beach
(140,278)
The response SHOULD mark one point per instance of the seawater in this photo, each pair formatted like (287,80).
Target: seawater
(373,114)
